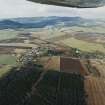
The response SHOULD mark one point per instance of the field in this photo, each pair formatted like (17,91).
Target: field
(54,89)
(95,91)
(50,72)
(60,88)
(83,45)
(4,70)
(12,42)
(8,34)
(53,63)
(88,29)
(17,84)
(7,59)
(100,66)
(47,33)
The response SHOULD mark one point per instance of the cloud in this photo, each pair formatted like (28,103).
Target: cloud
(23,8)
(20,8)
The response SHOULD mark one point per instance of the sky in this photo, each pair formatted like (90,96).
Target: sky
(24,8)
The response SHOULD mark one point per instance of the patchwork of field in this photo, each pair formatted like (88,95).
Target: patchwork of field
(83,45)
(64,64)
(65,36)
(12,43)
(52,88)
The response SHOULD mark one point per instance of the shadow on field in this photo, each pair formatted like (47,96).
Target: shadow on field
(54,89)
(15,85)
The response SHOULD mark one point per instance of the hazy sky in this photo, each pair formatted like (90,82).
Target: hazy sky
(23,8)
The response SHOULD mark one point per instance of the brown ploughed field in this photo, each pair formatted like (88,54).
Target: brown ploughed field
(72,65)
(95,91)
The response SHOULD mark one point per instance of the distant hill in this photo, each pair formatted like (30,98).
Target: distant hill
(40,22)
(9,24)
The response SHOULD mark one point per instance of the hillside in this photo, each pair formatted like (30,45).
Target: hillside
(41,22)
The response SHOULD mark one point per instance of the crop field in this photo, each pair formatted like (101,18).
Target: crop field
(83,45)
(7,59)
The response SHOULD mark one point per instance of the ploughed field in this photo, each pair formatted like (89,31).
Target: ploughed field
(95,90)
(94,83)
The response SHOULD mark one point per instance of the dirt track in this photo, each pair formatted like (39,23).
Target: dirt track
(18,45)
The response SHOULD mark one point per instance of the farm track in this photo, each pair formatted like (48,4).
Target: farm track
(37,82)
(34,86)
(18,45)
(58,89)
(33,89)
(95,89)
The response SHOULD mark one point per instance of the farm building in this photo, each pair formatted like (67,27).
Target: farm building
(65,64)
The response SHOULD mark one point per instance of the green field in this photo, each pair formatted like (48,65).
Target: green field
(8,34)
(4,70)
(7,59)
(83,45)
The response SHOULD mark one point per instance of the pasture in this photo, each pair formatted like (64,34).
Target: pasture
(7,59)
(8,34)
